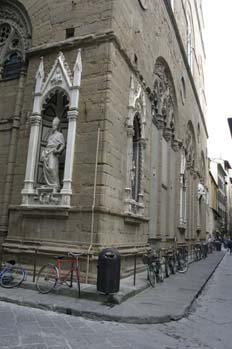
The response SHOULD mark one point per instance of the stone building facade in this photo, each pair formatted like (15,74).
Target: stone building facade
(213,225)
(125,79)
(220,171)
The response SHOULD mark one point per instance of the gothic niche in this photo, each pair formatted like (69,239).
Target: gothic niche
(136,142)
(163,102)
(202,168)
(54,113)
(136,159)
(183,196)
(48,176)
(15,38)
(190,147)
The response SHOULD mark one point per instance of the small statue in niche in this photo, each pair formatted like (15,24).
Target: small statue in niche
(50,155)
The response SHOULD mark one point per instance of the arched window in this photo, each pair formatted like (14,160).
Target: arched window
(183,196)
(183,91)
(136,144)
(15,38)
(198,133)
(189,44)
(136,159)
(12,66)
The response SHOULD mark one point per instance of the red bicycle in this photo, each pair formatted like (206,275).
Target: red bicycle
(51,276)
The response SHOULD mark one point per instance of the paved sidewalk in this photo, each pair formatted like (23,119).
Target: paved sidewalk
(168,301)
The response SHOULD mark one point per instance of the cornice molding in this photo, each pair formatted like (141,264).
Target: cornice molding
(110,36)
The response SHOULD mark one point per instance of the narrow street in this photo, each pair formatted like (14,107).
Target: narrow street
(207,326)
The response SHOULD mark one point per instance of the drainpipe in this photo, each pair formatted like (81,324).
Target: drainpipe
(93,207)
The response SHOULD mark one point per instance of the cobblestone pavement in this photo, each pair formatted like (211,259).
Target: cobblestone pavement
(207,326)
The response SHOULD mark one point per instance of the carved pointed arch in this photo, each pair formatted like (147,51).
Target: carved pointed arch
(50,97)
(164,103)
(15,37)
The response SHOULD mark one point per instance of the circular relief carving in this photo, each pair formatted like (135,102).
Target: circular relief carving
(5,30)
(144,4)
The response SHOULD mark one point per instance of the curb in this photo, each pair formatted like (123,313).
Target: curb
(97,315)
(90,292)
(188,308)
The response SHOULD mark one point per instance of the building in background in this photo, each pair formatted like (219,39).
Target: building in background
(229,195)
(228,188)
(220,197)
(213,215)
(128,164)
(229,207)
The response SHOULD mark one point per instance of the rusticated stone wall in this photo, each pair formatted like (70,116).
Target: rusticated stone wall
(119,41)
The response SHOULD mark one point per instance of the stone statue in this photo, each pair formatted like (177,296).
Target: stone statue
(50,156)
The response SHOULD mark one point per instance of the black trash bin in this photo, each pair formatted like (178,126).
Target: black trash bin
(108,271)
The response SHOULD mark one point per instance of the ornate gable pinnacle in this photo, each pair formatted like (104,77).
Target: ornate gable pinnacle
(77,69)
(135,94)
(39,77)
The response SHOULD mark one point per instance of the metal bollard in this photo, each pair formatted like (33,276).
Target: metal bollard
(34,268)
(135,265)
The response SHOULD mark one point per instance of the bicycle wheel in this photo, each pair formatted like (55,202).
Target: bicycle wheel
(182,266)
(172,266)
(198,254)
(151,274)
(78,281)
(195,255)
(160,273)
(12,277)
(47,278)
(167,268)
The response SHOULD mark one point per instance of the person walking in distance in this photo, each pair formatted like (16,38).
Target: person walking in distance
(229,245)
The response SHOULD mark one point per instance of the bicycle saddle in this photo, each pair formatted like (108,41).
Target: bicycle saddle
(170,253)
(72,254)
(12,262)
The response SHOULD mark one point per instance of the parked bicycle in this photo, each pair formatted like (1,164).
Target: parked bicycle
(155,271)
(198,252)
(210,247)
(52,276)
(170,262)
(205,250)
(11,275)
(182,259)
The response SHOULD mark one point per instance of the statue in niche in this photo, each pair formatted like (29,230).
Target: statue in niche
(50,156)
